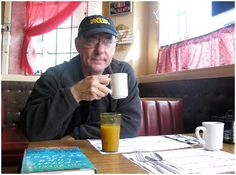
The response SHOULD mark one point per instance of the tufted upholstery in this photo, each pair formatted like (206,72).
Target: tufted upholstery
(14,96)
(161,116)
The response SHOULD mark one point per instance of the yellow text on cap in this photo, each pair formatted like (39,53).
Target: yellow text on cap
(99,20)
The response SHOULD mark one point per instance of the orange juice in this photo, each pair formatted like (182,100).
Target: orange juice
(110,134)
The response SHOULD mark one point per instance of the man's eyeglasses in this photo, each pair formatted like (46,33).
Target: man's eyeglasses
(91,42)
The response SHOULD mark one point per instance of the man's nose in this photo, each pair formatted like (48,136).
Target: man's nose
(100,47)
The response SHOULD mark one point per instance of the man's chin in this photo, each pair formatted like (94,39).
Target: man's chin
(98,69)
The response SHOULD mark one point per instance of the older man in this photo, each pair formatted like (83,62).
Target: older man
(68,99)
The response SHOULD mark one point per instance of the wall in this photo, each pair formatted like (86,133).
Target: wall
(142,53)
(152,37)
(140,61)
(17,37)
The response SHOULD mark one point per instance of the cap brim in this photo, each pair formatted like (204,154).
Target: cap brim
(99,30)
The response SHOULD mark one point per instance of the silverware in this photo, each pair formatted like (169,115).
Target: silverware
(167,167)
(160,158)
(139,156)
(141,165)
(184,138)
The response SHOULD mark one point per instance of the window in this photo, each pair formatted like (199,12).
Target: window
(181,20)
(14,16)
(57,46)
(191,38)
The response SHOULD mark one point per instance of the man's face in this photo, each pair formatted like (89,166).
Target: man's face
(96,52)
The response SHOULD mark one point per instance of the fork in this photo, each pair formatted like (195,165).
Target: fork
(139,156)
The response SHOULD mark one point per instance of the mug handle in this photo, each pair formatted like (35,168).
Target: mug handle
(197,130)
(110,92)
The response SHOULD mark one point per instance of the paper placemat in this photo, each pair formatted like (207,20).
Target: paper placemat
(143,143)
(193,161)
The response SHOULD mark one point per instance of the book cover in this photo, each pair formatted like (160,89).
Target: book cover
(67,160)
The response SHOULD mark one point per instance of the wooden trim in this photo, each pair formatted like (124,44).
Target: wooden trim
(214,72)
(19,78)
(6,37)
(160,99)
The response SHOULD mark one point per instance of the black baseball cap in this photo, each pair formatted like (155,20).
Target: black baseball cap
(91,25)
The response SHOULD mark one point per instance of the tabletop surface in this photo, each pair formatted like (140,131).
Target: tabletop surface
(104,163)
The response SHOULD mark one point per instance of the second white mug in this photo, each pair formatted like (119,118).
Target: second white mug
(213,133)
(119,85)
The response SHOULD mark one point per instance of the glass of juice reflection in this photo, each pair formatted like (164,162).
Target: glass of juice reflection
(110,131)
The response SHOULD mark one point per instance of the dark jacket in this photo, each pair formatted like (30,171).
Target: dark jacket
(51,112)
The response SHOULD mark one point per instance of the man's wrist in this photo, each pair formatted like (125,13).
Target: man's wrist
(73,92)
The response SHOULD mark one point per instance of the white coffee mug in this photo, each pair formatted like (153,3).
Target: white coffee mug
(213,133)
(119,85)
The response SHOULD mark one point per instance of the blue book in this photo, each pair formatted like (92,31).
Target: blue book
(68,160)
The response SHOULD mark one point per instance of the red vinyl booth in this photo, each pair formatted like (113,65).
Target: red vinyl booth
(161,116)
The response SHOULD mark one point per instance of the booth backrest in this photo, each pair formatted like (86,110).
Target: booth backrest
(14,97)
(202,98)
(161,116)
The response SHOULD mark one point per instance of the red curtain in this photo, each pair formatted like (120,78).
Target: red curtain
(42,17)
(210,50)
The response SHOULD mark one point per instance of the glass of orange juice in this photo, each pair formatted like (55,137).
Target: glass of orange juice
(110,131)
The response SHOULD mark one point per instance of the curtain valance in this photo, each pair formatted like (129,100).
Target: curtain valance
(214,49)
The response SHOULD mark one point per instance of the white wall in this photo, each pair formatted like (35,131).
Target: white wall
(142,53)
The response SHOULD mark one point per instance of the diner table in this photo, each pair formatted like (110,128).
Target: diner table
(104,163)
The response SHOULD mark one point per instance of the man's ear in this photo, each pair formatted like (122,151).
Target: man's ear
(77,43)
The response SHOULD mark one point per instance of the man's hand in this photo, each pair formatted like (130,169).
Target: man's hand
(91,88)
